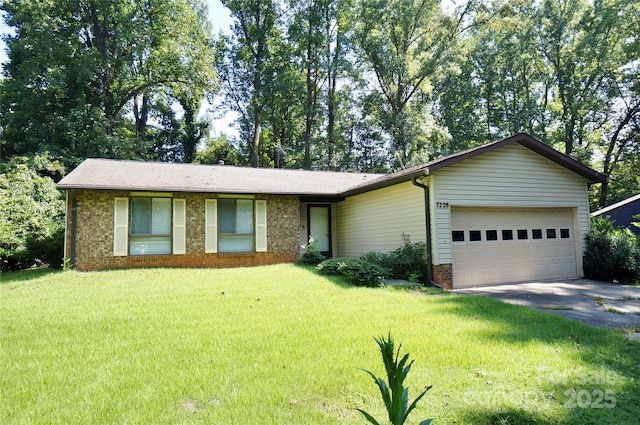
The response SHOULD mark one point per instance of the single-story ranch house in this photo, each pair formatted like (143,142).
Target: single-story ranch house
(510,210)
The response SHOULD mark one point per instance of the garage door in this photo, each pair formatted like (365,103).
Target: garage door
(511,245)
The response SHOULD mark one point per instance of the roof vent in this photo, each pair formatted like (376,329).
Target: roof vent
(221,162)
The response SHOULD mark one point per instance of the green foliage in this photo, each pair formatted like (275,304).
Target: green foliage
(362,273)
(48,250)
(407,262)
(380,258)
(219,149)
(410,260)
(85,79)
(611,254)
(406,45)
(31,217)
(359,272)
(394,394)
(331,266)
(312,256)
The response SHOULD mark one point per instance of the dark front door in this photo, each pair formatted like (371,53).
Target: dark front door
(319,217)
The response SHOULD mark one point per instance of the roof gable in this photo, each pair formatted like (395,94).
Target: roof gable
(523,139)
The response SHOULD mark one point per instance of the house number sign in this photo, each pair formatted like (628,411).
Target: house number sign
(442,205)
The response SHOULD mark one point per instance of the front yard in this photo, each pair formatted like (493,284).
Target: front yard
(282,345)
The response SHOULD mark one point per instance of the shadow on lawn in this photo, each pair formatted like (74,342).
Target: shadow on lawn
(594,395)
(26,275)
(340,281)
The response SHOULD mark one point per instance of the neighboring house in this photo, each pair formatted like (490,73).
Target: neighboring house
(621,213)
(511,210)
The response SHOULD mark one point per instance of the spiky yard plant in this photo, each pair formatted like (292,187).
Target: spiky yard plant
(394,394)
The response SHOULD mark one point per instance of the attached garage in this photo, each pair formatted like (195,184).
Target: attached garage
(508,211)
(494,245)
(513,210)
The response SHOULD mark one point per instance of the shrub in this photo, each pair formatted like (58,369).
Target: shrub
(31,211)
(409,261)
(380,258)
(330,267)
(313,256)
(362,273)
(611,254)
(48,250)
(359,272)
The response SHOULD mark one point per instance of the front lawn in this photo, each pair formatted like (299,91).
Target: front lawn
(282,345)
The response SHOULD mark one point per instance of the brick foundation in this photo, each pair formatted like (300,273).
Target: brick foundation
(443,275)
(95,222)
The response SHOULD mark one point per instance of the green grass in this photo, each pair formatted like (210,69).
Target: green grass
(282,345)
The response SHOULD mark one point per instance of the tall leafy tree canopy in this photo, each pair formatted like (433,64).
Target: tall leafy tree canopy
(330,84)
(84,78)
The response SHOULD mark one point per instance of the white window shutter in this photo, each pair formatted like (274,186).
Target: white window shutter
(121,227)
(179,226)
(261,226)
(211,226)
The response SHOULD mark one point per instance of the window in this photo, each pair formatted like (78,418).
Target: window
(536,234)
(235,225)
(523,234)
(150,231)
(457,236)
(564,234)
(551,233)
(492,235)
(475,235)
(507,235)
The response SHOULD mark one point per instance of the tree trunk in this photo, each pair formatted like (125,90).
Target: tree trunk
(255,145)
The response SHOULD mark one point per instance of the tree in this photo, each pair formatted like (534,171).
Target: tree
(614,30)
(243,68)
(406,43)
(217,150)
(77,68)
(31,210)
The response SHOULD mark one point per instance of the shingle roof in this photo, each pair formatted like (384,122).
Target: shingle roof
(110,174)
(167,177)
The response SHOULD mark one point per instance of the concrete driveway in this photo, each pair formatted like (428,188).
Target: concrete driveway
(596,303)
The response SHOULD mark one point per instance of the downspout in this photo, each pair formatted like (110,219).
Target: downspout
(74,219)
(427,214)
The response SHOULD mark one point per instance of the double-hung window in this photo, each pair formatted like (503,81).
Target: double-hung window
(236,225)
(150,232)
(149,225)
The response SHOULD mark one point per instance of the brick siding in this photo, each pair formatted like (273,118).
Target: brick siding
(95,222)
(443,275)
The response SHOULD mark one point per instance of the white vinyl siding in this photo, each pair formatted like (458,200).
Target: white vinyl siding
(179,230)
(511,176)
(375,221)
(121,227)
(261,226)
(211,226)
